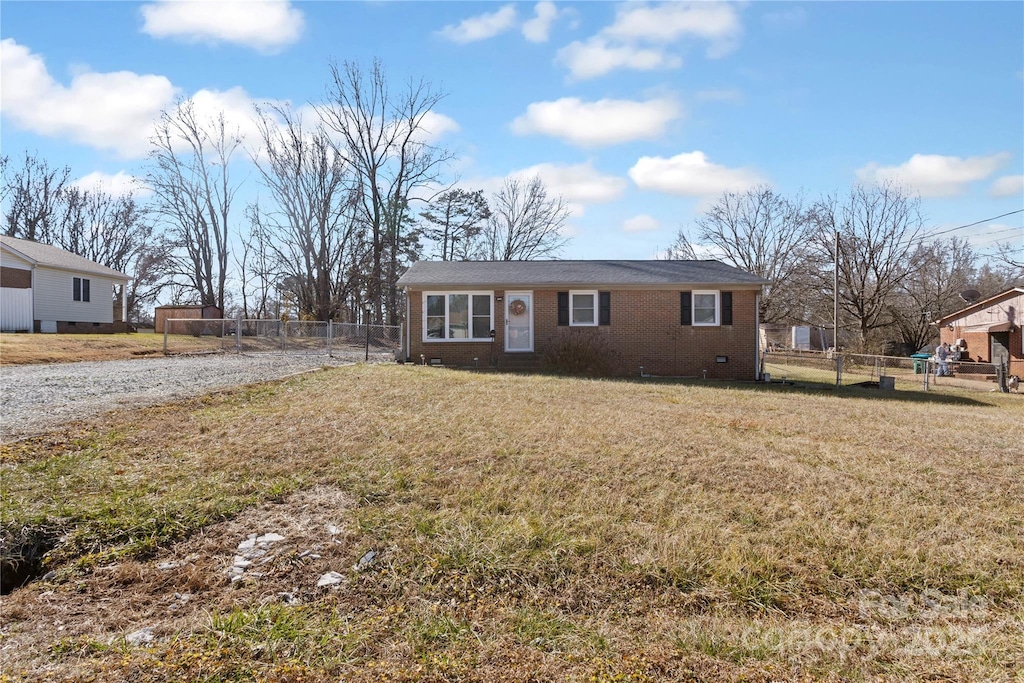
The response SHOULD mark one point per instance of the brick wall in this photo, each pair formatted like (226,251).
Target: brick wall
(979,346)
(644,331)
(64,327)
(15,278)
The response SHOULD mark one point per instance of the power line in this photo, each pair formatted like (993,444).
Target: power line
(983,220)
(935,233)
(992,236)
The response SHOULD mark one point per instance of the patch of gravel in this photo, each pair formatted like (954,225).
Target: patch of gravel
(38,398)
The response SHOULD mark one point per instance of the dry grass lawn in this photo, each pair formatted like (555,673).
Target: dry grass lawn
(24,349)
(528,528)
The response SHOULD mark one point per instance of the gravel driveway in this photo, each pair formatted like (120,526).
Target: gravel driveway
(37,398)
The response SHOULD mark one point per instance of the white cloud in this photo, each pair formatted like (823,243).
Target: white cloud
(435,125)
(641,34)
(265,25)
(691,175)
(592,124)
(576,183)
(935,175)
(668,22)
(641,223)
(119,184)
(114,111)
(481,27)
(597,56)
(1008,186)
(111,111)
(538,29)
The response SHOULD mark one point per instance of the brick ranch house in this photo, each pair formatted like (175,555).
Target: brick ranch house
(672,318)
(46,289)
(991,328)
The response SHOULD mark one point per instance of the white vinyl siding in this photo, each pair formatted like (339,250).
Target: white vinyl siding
(15,310)
(53,294)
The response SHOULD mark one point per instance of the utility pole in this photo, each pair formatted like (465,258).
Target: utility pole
(835,312)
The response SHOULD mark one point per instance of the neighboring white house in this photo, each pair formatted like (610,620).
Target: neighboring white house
(46,289)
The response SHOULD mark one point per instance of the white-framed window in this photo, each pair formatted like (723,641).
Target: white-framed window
(458,316)
(582,307)
(80,289)
(706,307)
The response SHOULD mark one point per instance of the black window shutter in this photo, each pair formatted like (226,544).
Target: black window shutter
(85,289)
(77,289)
(563,308)
(686,308)
(727,308)
(605,306)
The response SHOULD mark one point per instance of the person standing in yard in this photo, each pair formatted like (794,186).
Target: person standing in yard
(942,356)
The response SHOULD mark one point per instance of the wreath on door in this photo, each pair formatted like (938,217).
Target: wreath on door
(517,307)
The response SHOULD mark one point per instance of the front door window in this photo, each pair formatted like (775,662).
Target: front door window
(519,321)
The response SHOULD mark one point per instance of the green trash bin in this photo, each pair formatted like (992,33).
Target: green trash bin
(918,367)
(920,363)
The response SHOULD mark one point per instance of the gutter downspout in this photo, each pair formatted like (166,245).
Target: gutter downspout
(757,337)
(408,327)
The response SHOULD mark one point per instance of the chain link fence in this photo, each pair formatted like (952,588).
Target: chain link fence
(190,335)
(885,372)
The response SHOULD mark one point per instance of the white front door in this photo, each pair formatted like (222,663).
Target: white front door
(519,321)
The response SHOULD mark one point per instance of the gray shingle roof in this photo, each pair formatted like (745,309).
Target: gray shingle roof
(54,257)
(503,274)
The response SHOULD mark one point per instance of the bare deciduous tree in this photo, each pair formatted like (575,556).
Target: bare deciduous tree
(31,196)
(454,220)
(116,232)
(383,138)
(193,191)
(310,226)
(942,270)
(525,224)
(878,227)
(767,235)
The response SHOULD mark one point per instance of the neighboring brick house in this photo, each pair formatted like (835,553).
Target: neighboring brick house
(991,328)
(672,318)
(47,289)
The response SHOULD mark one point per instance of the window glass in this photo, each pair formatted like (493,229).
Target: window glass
(451,315)
(481,316)
(458,316)
(435,305)
(583,309)
(705,309)
(435,316)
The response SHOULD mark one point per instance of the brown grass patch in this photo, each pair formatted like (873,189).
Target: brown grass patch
(25,349)
(530,528)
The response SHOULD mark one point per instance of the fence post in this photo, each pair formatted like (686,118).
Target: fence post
(839,369)
(238,334)
(165,336)
(330,331)
(367,323)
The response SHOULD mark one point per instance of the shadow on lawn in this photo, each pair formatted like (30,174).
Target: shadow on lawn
(812,388)
(800,387)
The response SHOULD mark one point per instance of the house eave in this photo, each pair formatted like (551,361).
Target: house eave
(981,305)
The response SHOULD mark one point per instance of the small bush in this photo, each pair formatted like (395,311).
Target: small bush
(580,352)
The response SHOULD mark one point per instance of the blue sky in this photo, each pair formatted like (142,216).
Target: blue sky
(638,114)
